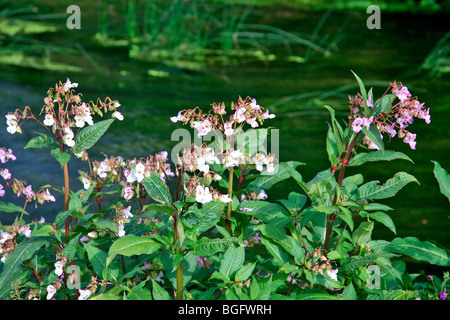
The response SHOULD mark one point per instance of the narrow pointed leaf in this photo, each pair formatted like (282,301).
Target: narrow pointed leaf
(89,135)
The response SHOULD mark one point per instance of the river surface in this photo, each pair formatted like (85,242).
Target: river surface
(393,52)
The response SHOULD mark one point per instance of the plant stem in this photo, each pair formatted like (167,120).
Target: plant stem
(330,218)
(230,195)
(66,198)
(179,294)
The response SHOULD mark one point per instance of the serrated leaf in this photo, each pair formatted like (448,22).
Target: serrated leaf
(372,190)
(245,272)
(132,245)
(157,189)
(387,155)
(421,250)
(14,260)
(382,218)
(97,257)
(89,135)
(42,141)
(233,260)
(159,293)
(10,207)
(205,247)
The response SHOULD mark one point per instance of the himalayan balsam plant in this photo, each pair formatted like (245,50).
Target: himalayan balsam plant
(200,223)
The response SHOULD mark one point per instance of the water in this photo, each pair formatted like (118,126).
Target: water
(393,53)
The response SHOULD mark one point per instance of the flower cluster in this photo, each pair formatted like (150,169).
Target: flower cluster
(20,187)
(245,111)
(9,238)
(64,110)
(395,121)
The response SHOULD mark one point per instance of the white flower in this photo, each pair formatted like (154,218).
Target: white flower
(179,117)
(49,120)
(117,115)
(92,234)
(228,128)
(266,115)
(254,105)
(127,213)
(5,236)
(68,85)
(59,268)
(253,122)
(139,172)
(121,231)
(84,294)
(224,198)
(202,195)
(130,175)
(86,183)
(262,195)
(239,115)
(332,274)
(51,290)
(234,158)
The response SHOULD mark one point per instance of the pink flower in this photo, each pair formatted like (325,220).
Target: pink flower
(2,192)
(356,125)
(369,102)
(366,122)
(128,193)
(29,193)
(47,196)
(410,137)
(403,94)
(425,114)
(6,174)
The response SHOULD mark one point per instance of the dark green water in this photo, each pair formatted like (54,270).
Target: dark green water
(394,52)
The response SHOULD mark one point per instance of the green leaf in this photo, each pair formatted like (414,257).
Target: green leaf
(132,245)
(382,218)
(107,224)
(10,207)
(232,261)
(363,91)
(14,260)
(267,181)
(245,272)
(363,233)
(139,294)
(62,157)
(42,141)
(89,135)
(372,190)
(374,135)
(443,178)
(157,189)
(387,155)
(315,294)
(71,248)
(383,105)
(349,293)
(421,250)
(337,131)
(97,257)
(159,293)
(280,256)
(202,220)
(207,247)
